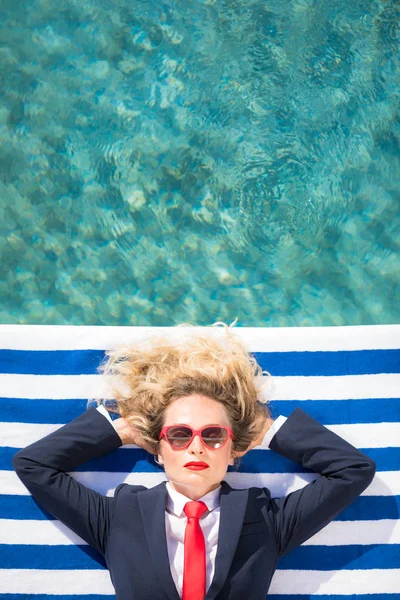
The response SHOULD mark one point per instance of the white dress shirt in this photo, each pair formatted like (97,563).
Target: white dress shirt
(175,519)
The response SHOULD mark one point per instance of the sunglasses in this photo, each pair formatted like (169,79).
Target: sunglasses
(180,437)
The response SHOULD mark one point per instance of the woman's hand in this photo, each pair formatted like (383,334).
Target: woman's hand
(130,435)
(260,438)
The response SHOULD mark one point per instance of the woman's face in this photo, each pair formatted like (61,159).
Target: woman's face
(197,411)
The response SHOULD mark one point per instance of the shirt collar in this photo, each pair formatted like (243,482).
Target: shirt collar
(176,501)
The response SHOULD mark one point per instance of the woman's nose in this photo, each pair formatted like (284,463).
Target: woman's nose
(196,445)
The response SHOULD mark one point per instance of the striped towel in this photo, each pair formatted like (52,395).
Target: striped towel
(345,377)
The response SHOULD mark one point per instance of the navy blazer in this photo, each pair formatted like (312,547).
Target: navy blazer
(255,529)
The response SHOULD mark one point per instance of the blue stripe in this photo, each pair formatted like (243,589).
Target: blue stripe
(259,461)
(131,460)
(50,557)
(371,508)
(95,597)
(127,460)
(22,508)
(50,362)
(86,362)
(364,508)
(343,362)
(326,558)
(320,558)
(17,410)
(327,412)
(342,412)
(394,596)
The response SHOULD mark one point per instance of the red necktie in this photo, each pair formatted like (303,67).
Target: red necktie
(194,567)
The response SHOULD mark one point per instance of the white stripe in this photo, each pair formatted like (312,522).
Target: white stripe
(102,482)
(54,387)
(360,435)
(79,582)
(336,533)
(312,339)
(20,435)
(369,435)
(58,387)
(57,582)
(344,582)
(385,483)
(45,533)
(343,387)
(339,533)
(258,339)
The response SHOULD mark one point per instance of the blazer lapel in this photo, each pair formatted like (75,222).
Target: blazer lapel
(152,506)
(232,510)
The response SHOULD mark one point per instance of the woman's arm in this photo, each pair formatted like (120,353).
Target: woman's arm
(345,473)
(43,466)
(129,436)
(259,441)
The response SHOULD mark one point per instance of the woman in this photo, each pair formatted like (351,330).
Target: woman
(196,405)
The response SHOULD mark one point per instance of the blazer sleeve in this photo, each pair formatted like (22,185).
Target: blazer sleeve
(345,473)
(42,469)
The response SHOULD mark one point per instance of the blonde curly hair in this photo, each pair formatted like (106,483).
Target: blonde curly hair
(147,377)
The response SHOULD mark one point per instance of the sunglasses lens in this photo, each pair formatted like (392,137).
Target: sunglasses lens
(214,437)
(179,436)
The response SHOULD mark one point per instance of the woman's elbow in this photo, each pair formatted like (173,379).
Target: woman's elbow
(370,470)
(22,465)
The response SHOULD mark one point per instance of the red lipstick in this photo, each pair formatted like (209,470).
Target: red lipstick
(196,465)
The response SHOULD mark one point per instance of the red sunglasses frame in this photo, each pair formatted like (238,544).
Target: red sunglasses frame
(163,434)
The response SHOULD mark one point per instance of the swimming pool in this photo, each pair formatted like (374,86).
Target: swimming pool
(200,161)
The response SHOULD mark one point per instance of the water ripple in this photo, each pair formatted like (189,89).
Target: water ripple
(161,165)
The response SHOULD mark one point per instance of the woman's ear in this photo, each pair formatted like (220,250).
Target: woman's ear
(160,460)
(232,458)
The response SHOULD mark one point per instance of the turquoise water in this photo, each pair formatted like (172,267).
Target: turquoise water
(163,162)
